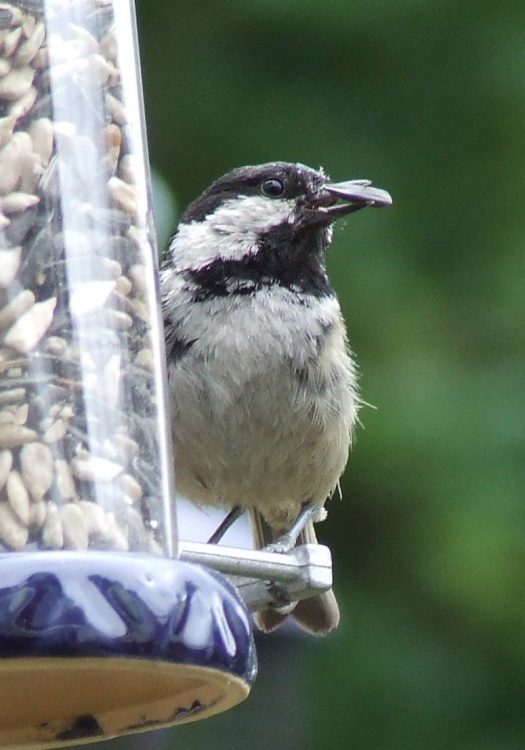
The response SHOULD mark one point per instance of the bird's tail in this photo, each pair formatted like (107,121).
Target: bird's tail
(317,615)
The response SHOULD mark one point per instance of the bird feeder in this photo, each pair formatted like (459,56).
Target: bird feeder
(103,630)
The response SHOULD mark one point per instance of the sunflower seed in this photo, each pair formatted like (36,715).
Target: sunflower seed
(73,527)
(12,531)
(16,83)
(129,486)
(55,431)
(12,395)
(90,296)
(123,194)
(41,132)
(16,308)
(18,496)
(117,110)
(17,201)
(9,265)
(36,463)
(18,413)
(94,518)
(145,359)
(109,47)
(25,334)
(91,44)
(12,158)
(64,480)
(28,25)
(14,435)
(28,49)
(11,41)
(128,169)
(113,141)
(137,274)
(7,125)
(22,106)
(52,533)
(123,285)
(6,462)
(95,469)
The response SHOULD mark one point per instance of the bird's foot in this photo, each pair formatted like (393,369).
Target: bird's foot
(280,600)
(288,540)
(282,545)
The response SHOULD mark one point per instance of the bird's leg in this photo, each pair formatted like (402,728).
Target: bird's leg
(287,541)
(235,513)
(284,544)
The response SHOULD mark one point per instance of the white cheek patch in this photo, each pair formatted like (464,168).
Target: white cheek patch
(251,214)
(231,232)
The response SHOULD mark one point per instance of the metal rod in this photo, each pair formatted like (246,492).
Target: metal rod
(302,572)
(241,562)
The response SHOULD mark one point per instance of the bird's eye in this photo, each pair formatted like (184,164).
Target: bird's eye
(272,188)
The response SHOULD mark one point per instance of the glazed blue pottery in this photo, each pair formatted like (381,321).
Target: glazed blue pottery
(99,644)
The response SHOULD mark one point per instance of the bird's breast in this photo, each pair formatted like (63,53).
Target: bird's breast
(263,413)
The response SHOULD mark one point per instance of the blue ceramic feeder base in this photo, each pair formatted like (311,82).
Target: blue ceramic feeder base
(99,644)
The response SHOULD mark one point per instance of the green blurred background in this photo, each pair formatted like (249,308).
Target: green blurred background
(427,99)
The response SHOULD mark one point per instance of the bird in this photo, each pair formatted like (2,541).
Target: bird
(262,382)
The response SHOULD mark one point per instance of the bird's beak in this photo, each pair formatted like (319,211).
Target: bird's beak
(341,198)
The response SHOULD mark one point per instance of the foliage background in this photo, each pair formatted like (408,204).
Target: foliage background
(428,100)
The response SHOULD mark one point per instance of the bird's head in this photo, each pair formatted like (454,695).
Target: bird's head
(266,224)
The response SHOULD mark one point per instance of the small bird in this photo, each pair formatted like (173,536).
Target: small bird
(262,382)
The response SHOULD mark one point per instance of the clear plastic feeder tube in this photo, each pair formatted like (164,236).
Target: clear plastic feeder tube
(84,453)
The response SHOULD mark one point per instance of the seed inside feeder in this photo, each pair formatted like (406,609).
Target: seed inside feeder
(79,449)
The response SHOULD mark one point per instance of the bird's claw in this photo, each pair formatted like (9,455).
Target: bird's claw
(282,545)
